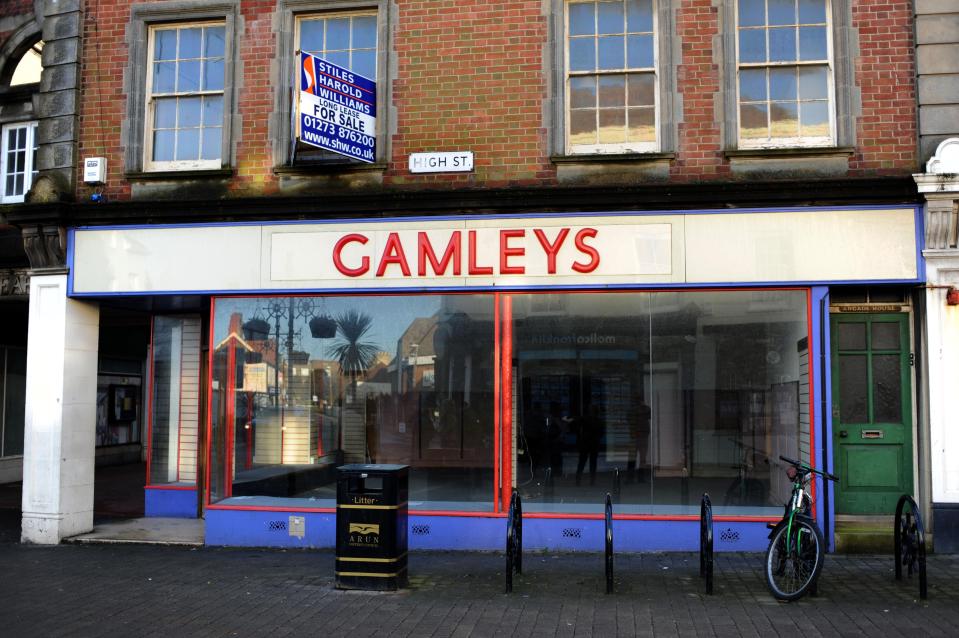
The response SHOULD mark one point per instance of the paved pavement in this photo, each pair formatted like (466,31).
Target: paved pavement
(136,590)
(117,591)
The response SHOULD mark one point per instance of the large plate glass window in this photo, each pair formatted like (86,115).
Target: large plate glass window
(18,163)
(611,77)
(302,385)
(348,40)
(184,103)
(657,398)
(785,75)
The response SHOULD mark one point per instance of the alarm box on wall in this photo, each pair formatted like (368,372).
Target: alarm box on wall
(95,170)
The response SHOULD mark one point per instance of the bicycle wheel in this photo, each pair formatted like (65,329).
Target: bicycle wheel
(791,570)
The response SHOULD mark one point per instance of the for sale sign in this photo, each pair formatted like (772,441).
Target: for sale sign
(337,109)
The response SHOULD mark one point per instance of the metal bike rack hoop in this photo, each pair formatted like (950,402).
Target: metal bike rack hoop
(915,543)
(514,539)
(609,544)
(706,542)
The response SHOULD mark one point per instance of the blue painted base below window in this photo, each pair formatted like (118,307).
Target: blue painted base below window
(170,503)
(272,529)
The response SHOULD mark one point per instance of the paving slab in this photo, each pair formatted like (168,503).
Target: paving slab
(148,590)
(153,530)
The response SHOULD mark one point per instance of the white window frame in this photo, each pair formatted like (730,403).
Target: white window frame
(611,148)
(149,102)
(299,19)
(789,142)
(29,167)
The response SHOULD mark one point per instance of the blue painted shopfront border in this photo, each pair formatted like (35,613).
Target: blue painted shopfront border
(824,444)
(257,528)
(918,226)
(822,409)
(169,503)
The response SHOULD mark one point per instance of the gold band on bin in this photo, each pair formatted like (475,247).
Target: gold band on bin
(370,507)
(353,559)
(371,575)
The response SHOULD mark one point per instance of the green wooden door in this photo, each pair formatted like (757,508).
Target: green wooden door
(872,411)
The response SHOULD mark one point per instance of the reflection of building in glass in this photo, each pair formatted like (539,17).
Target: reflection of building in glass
(656,264)
(415,355)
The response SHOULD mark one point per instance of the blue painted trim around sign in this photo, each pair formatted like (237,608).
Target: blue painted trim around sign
(245,528)
(169,503)
(71,242)
(920,263)
(266,292)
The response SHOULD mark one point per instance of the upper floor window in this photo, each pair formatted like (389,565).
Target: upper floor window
(184,91)
(29,67)
(348,40)
(18,162)
(785,76)
(612,85)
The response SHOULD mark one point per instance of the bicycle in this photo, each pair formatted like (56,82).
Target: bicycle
(796,546)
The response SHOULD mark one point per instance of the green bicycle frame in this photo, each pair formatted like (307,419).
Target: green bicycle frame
(794,506)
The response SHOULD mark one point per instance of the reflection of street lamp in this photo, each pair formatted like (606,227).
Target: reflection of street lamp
(414,353)
(290,309)
(329,386)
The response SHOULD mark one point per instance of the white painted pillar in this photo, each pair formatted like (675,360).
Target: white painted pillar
(939,440)
(942,325)
(60,415)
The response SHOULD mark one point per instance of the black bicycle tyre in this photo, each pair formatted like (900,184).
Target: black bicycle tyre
(811,578)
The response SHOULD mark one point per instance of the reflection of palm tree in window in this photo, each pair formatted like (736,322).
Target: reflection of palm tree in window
(354,355)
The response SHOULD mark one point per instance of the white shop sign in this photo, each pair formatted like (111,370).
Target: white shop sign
(610,249)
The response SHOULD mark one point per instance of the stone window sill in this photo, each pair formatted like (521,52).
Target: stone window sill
(612,158)
(174,175)
(767,153)
(328,167)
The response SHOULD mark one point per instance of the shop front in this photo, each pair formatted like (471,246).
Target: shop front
(654,356)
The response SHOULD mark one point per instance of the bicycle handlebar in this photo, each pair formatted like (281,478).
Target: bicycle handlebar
(801,465)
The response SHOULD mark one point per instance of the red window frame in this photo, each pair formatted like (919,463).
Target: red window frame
(502,413)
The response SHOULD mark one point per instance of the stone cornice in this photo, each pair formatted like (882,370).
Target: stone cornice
(545,199)
(930,184)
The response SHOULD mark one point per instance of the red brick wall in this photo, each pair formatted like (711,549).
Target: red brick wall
(700,152)
(102,97)
(15,8)
(886,131)
(254,150)
(471,76)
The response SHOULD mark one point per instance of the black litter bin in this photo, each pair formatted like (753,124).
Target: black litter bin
(371,514)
